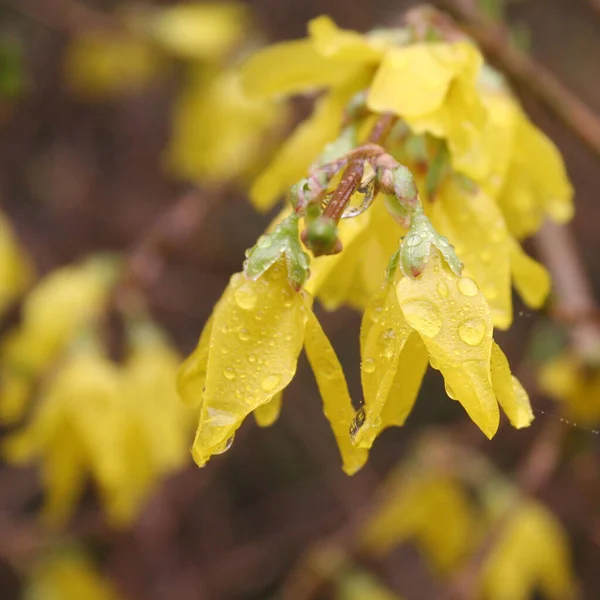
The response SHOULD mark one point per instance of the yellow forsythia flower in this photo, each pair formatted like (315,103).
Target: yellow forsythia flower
(58,308)
(247,355)
(431,510)
(576,386)
(15,270)
(531,554)
(444,320)
(356,584)
(68,576)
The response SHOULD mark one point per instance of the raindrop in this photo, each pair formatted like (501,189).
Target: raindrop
(264,241)
(287,298)
(472,331)
(423,317)
(413,240)
(244,334)
(270,382)
(368,365)
(225,446)
(467,287)
(358,421)
(245,297)
(229,373)
(442,289)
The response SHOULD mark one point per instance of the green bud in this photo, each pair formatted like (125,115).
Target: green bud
(321,236)
(416,247)
(404,185)
(284,240)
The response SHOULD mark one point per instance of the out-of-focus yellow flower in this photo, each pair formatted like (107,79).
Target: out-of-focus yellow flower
(97,419)
(356,584)
(219,134)
(15,269)
(58,308)
(429,509)
(68,576)
(107,64)
(247,355)
(576,386)
(532,554)
(443,319)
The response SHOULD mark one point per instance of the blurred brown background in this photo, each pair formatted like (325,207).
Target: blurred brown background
(78,177)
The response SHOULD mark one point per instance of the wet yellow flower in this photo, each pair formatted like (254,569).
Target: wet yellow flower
(247,355)
(531,555)
(68,575)
(577,387)
(54,313)
(444,320)
(15,269)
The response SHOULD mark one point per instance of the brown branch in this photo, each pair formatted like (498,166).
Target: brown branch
(526,71)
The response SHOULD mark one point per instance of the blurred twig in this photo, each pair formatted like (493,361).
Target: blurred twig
(595,4)
(493,37)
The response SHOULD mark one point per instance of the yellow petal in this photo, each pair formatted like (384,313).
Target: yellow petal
(268,413)
(531,279)
(258,331)
(473,221)
(394,361)
(337,404)
(293,159)
(510,393)
(455,323)
(192,373)
(331,41)
(291,68)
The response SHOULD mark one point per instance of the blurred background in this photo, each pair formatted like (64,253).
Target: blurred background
(86,166)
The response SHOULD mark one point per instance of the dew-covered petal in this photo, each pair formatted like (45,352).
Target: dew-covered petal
(474,223)
(510,393)
(258,331)
(394,361)
(192,373)
(268,413)
(531,278)
(291,67)
(304,145)
(331,41)
(455,323)
(337,404)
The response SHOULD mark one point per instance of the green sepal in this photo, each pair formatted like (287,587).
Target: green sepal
(269,248)
(416,247)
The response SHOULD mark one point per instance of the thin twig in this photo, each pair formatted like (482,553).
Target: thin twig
(494,40)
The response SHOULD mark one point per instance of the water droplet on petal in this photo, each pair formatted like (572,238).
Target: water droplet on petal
(270,382)
(225,446)
(442,289)
(251,358)
(245,297)
(264,241)
(229,373)
(287,298)
(386,342)
(472,331)
(467,287)
(368,365)
(423,316)
(413,240)
(244,334)
(450,391)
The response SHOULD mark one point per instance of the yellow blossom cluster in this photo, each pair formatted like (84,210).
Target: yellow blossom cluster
(219,133)
(416,223)
(91,417)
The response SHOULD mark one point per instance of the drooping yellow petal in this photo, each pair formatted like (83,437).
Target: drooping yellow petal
(293,159)
(454,320)
(192,373)
(257,334)
(290,68)
(268,413)
(331,41)
(510,393)
(337,404)
(357,584)
(531,279)
(474,223)
(394,361)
